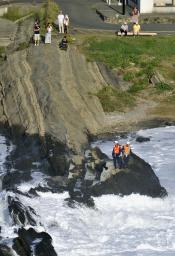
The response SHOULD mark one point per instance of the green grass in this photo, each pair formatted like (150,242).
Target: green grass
(161,87)
(2,49)
(52,10)
(47,14)
(114,99)
(121,52)
(137,58)
(16,12)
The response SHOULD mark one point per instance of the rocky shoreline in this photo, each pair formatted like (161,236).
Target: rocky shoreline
(51,120)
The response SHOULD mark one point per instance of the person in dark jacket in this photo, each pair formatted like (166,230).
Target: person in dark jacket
(64,43)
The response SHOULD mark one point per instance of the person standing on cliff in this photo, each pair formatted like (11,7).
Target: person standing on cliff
(66,23)
(48,34)
(117,155)
(36,33)
(61,22)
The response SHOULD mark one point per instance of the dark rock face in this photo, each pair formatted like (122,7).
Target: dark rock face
(142,139)
(20,214)
(79,193)
(5,250)
(29,242)
(101,178)
(137,178)
(16,177)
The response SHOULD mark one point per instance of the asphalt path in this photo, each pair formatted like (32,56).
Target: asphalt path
(83,15)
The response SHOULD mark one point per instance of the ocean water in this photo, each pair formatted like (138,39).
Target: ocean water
(129,226)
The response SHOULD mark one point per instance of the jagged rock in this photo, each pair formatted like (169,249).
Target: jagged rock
(79,193)
(5,250)
(142,139)
(77,160)
(32,193)
(101,178)
(29,242)
(137,178)
(156,78)
(15,177)
(58,183)
(21,214)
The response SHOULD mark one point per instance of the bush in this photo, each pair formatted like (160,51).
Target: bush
(137,87)
(129,76)
(52,10)
(163,87)
(114,99)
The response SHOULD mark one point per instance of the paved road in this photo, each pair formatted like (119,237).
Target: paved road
(82,14)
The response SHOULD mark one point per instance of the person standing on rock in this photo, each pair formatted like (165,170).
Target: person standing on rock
(48,34)
(126,154)
(61,22)
(117,155)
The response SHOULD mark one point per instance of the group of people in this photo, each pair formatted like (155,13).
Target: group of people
(63,24)
(121,154)
(36,31)
(135,21)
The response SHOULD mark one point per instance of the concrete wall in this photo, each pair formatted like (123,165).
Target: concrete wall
(170,9)
(146,6)
(3,10)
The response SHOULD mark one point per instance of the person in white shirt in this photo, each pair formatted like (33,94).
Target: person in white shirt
(124,29)
(108,2)
(48,34)
(61,22)
(66,23)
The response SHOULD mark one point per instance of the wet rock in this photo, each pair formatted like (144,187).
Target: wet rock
(137,178)
(29,242)
(5,250)
(58,183)
(142,139)
(32,193)
(21,215)
(79,193)
(101,178)
(15,177)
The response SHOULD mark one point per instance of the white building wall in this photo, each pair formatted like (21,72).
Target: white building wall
(146,6)
(3,10)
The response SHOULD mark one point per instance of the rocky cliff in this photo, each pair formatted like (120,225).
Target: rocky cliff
(49,108)
(49,92)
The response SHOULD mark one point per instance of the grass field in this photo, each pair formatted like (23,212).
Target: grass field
(137,60)
(17,12)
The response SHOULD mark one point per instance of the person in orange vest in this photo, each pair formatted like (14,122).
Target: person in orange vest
(117,155)
(126,153)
